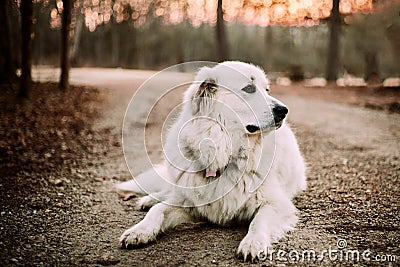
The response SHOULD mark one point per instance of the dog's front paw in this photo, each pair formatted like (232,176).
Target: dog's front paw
(146,202)
(252,247)
(136,236)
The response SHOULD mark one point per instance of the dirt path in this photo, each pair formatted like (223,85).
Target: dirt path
(353,194)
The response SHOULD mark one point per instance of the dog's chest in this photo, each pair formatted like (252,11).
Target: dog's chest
(224,202)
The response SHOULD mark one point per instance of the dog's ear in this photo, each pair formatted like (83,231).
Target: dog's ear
(203,99)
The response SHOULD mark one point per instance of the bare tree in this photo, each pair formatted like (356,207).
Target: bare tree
(7,60)
(222,43)
(393,35)
(333,52)
(76,40)
(26,10)
(65,45)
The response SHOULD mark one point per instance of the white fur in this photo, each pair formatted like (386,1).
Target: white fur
(260,172)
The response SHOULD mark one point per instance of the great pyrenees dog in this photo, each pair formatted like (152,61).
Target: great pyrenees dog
(229,157)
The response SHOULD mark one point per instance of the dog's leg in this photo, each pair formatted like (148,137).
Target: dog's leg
(267,226)
(159,218)
(146,202)
(270,223)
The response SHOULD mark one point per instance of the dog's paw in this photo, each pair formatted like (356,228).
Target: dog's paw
(252,247)
(145,203)
(136,236)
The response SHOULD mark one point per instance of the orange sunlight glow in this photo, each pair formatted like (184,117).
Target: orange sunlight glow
(251,12)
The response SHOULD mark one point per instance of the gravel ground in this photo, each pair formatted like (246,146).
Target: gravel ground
(67,213)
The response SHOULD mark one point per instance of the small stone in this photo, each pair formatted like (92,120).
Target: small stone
(57,182)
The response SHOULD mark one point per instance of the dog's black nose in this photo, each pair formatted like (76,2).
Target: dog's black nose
(279,112)
(252,128)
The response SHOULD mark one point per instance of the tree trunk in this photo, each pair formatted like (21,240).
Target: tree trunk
(77,38)
(372,73)
(333,53)
(223,50)
(392,32)
(7,61)
(26,10)
(115,48)
(65,45)
(179,48)
(269,46)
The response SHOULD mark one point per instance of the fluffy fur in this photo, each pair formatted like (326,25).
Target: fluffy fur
(229,157)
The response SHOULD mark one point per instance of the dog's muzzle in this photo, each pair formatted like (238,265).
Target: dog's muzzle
(279,113)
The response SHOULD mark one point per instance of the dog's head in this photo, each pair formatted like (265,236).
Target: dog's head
(236,93)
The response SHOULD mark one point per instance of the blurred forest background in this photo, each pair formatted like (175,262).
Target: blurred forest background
(61,147)
(281,36)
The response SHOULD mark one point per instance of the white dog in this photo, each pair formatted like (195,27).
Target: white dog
(228,157)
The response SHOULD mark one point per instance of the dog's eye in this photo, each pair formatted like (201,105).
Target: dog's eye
(251,88)
(267,89)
